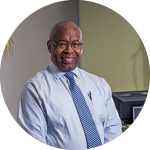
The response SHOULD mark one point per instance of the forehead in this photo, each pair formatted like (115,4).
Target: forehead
(66,31)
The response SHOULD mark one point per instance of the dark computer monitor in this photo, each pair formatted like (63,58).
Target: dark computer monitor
(136,110)
(125,101)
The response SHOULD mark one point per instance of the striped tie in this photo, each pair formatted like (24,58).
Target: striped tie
(88,124)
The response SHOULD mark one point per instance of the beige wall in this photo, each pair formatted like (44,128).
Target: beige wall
(113,49)
(30,50)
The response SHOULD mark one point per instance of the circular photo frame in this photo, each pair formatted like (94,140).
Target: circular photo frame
(112,49)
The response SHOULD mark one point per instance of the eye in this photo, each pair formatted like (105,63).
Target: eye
(75,44)
(61,44)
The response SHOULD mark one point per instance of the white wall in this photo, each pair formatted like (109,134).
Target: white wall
(30,49)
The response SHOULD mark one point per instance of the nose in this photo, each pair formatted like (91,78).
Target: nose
(69,49)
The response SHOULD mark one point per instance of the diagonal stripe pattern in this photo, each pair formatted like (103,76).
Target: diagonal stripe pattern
(87,121)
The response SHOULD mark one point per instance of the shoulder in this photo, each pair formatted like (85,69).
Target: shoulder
(91,76)
(99,82)
(40,79)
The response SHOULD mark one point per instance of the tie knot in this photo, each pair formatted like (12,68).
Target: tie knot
(69,75)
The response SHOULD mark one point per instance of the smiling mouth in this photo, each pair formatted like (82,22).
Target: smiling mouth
(68,60)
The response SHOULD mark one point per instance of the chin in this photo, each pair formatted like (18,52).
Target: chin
(67,69)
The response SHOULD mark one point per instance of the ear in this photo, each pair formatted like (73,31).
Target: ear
(49,46)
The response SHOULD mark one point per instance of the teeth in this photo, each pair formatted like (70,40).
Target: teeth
(68,58)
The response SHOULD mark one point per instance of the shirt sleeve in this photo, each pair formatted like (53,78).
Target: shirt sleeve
(112,126)
(31,116)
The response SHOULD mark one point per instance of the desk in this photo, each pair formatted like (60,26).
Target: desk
(125,127)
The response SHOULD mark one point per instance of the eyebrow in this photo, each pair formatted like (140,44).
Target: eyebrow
(62,40)
(67,41)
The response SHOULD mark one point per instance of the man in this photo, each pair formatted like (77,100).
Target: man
(64,106)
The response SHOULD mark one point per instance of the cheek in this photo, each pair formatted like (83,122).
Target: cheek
(56,56)
(79,52)
(57,53)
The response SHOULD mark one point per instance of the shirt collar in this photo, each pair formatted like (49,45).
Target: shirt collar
(58,73)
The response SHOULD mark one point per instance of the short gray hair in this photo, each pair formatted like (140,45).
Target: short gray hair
(53,30)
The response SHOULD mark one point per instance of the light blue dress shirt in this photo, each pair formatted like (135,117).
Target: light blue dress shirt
(47,112)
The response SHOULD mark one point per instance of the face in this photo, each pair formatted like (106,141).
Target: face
(66,60)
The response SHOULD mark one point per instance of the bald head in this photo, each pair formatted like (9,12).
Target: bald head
(59,27)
